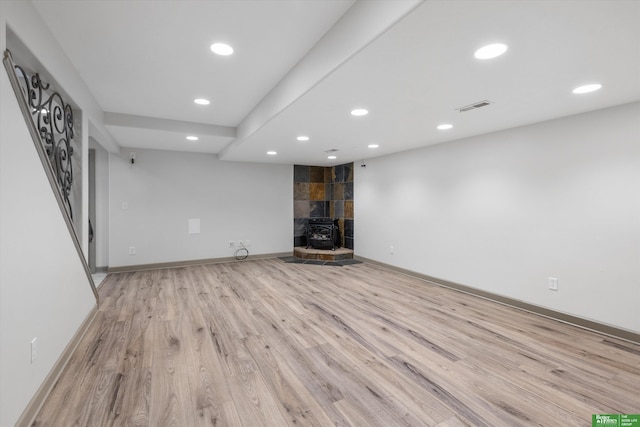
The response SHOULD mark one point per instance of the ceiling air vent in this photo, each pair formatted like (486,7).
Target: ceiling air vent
(473,106)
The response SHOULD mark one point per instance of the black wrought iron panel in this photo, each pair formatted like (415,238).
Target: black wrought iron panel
(54,121)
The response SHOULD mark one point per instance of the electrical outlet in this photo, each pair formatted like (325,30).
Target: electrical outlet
(247,242)
(132,250)
(34,349)
(392,250)
(553,284)
(232,244)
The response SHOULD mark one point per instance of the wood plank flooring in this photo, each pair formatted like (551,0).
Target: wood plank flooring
(264,343)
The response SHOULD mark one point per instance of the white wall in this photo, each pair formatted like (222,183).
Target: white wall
(164,189)
(504,211)
(44,291)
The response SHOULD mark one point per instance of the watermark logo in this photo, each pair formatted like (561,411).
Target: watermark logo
(604,420)
(615,420)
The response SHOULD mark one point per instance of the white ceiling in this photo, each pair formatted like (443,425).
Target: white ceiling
(300,66)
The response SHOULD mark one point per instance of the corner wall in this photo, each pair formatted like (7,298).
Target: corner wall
(163,190)
(503,212)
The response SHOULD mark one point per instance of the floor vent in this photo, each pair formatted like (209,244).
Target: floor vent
(473,106)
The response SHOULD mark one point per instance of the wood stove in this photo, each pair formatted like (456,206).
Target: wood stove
(323,233)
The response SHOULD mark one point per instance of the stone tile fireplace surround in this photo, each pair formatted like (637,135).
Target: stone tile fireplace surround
(323,192)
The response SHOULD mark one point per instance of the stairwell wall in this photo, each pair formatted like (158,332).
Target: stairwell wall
(44,291)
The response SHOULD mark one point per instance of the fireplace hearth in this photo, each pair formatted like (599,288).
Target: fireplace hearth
(322,255)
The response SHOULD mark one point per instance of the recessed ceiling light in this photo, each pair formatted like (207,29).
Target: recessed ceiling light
(202,101)
(373,146)
(359,112)
(331,157)
(445,126)
(302,138)
(221,49)
(272,153)
(491,51)
(587,88)
(192,138)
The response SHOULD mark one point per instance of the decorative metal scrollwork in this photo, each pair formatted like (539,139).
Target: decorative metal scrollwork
(54,120)
(49,121)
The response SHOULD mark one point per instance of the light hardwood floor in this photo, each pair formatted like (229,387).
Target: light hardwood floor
(267,343)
